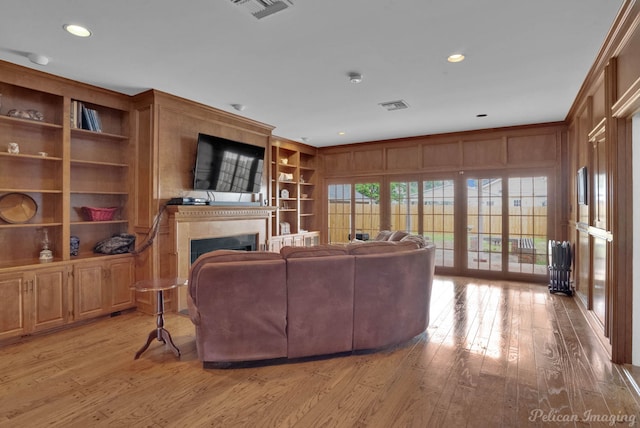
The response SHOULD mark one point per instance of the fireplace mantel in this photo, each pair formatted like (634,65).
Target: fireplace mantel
(187,222)
(218,213)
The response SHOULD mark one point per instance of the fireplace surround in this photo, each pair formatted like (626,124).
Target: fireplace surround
(219,224)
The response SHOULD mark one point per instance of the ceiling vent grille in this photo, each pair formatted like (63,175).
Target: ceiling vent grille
(263,8)
(395,105)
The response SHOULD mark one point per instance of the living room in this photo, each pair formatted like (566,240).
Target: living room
(148,159)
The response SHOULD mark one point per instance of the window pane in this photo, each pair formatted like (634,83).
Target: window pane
(484,224)
(404,206)
(367,210)
(528,225)
(339,212)
(438,218)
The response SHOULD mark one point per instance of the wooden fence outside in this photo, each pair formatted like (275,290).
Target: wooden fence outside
(523,221)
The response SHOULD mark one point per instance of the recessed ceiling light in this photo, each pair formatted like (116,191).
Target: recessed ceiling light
(355,77)
(341,133)
(455,58)
(239,107)
(77,30)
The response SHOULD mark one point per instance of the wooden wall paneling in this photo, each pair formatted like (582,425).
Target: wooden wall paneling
(532,149)
(484,153)
(619,222)
(336,163)
(598,103)
(166,129)
(628,60)
(178,134)
(403,158)
(622,246)
(441,155)
(371,160)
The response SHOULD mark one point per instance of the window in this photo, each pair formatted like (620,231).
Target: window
(404,206)
(438,218)
(354,211)
(528,225)
(484,224)
(339,212)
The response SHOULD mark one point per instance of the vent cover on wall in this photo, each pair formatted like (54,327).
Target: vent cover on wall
(395,105)
(263,8)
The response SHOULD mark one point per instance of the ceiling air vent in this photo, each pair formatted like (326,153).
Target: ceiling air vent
(263,8)
(395,105)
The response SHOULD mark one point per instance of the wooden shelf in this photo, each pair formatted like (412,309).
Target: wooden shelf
(26,123)
(76,132)
(98,163)
(31,157)
(81,168)
(26,225)
(300,163)
(96,222)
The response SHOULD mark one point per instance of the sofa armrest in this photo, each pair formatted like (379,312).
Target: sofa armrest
(241,309)
(193,310)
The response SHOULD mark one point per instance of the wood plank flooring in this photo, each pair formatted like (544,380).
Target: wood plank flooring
(495,354)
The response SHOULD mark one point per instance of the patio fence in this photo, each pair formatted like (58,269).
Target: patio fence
(523,221)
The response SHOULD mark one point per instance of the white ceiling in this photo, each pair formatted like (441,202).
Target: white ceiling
(525,59)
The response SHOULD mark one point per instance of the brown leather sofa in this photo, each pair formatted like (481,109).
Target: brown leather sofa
(309,301)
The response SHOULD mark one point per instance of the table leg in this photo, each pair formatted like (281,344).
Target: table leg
(160,333)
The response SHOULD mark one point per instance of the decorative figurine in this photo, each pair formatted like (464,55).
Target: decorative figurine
(13,148)
(45,255)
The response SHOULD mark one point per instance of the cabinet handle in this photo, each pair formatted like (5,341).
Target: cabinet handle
(31,288)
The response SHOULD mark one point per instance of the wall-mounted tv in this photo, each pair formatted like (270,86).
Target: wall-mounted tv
(227,166)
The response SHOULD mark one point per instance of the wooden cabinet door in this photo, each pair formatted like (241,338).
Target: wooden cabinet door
(13,292)
(298,241)
(121,278)
(49,294)
(90,290)
(275,244)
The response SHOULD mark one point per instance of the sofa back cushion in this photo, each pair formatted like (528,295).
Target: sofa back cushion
(383,235)
(415,238)
(398,235)
(225,256)
(319,305)
(378,247)
(392,294)
(313,251)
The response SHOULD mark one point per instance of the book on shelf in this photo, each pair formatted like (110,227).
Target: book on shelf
(83,117)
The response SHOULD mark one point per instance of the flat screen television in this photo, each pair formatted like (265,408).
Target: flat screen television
(227,166)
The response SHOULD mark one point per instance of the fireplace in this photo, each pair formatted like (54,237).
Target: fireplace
(247,242)
(207,228)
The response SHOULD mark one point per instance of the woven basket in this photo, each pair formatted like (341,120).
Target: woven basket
(99,214)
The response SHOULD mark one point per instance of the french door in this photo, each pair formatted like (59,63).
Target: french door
(507,224)
(493,223)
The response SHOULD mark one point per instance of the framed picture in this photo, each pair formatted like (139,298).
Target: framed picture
(581,183)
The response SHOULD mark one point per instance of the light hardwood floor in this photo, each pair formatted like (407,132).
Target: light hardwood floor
(495,354)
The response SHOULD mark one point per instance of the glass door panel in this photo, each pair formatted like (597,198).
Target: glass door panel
(528,241)
(354,211)
(367,210)
(339,212)
(438,218)
(484,224)
(404,206)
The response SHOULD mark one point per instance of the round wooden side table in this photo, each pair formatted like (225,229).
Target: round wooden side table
(159,285)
